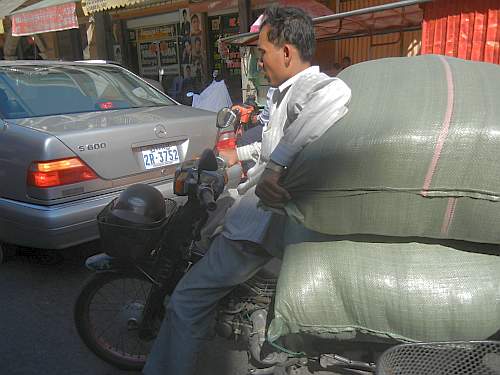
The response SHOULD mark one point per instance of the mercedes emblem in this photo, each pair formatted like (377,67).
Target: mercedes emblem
(160,131)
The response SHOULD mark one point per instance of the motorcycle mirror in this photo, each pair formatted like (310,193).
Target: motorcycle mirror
(226,118)
(208,161)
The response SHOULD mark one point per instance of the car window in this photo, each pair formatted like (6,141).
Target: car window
(43,90)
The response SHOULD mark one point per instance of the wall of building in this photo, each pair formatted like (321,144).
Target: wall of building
(367,48)
(468,29)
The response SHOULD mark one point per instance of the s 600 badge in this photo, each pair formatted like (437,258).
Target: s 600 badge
(92,147)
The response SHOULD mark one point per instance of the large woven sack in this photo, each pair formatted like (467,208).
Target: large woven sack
(382,287)
(418,154)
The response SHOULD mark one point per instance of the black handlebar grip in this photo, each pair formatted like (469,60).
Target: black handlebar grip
(207,199)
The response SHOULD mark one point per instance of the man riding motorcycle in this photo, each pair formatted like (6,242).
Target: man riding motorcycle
(305,104)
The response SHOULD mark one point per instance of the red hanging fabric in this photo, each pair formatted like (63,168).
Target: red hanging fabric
(468,29)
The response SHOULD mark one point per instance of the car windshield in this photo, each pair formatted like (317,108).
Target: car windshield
(44,90)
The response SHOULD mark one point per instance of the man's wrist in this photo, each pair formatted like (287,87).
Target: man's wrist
(275,167)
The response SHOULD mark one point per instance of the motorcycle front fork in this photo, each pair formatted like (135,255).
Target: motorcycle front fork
(164,281)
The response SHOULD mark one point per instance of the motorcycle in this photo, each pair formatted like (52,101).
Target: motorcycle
(119,310)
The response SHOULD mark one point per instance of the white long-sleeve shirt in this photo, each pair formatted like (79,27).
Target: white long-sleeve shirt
(302,109)
(252,150)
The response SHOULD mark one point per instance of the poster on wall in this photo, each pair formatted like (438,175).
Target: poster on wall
(157,32)
(168,52)
(193,55)
(117,53)
(230,63)
(169,59)
(149,59)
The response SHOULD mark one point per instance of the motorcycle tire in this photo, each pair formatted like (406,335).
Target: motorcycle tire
(120,300)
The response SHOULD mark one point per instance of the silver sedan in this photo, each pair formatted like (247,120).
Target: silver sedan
(73,135)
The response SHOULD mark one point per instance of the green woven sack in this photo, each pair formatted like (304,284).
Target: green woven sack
(418,154)
(384,287)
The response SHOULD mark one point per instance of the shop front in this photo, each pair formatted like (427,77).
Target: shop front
(153,48)
(166,43)
(47,29)
(229,66)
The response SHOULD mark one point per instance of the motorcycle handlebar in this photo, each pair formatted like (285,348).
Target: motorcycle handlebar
(206,195)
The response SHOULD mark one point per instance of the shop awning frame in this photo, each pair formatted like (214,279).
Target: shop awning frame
(333,27)
(43,4)
(94,6)
(8,6)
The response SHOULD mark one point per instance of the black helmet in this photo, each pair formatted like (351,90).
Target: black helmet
(138,204)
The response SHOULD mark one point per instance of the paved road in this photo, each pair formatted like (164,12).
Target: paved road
(37,334)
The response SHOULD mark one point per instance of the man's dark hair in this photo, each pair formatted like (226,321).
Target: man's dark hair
(293,26)
(194,16)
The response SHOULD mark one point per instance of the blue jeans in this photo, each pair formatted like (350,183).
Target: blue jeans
(191,311)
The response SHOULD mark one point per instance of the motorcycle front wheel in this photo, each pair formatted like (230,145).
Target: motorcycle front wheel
(107,315)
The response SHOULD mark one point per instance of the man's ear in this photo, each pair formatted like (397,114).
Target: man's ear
(287,54)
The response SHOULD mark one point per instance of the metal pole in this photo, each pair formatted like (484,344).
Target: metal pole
(339,16)
(389,6)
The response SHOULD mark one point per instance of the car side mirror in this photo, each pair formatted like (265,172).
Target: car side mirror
(226,118)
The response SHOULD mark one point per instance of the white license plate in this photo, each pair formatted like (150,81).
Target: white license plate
(160,156)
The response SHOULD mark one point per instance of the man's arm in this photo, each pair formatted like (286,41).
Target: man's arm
(316,104)
(311,115)
(249,152)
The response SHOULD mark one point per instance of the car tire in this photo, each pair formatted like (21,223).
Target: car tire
(102,346)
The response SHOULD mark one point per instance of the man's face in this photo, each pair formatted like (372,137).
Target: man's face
(195,23)
(197,46)
(272,58)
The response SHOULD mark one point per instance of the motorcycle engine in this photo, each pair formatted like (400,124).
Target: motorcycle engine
(263,284)
(233,318)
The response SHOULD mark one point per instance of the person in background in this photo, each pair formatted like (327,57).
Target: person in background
(346,62)
(334,70)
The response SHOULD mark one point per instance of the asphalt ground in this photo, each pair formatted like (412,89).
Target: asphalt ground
(37,334)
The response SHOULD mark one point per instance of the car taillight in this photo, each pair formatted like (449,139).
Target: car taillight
(52,173)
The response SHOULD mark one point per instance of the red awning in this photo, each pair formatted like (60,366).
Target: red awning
(313,8)
(381,19)
(56,16)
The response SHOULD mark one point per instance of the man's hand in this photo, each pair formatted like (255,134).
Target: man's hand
(230,156)
(269,190)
